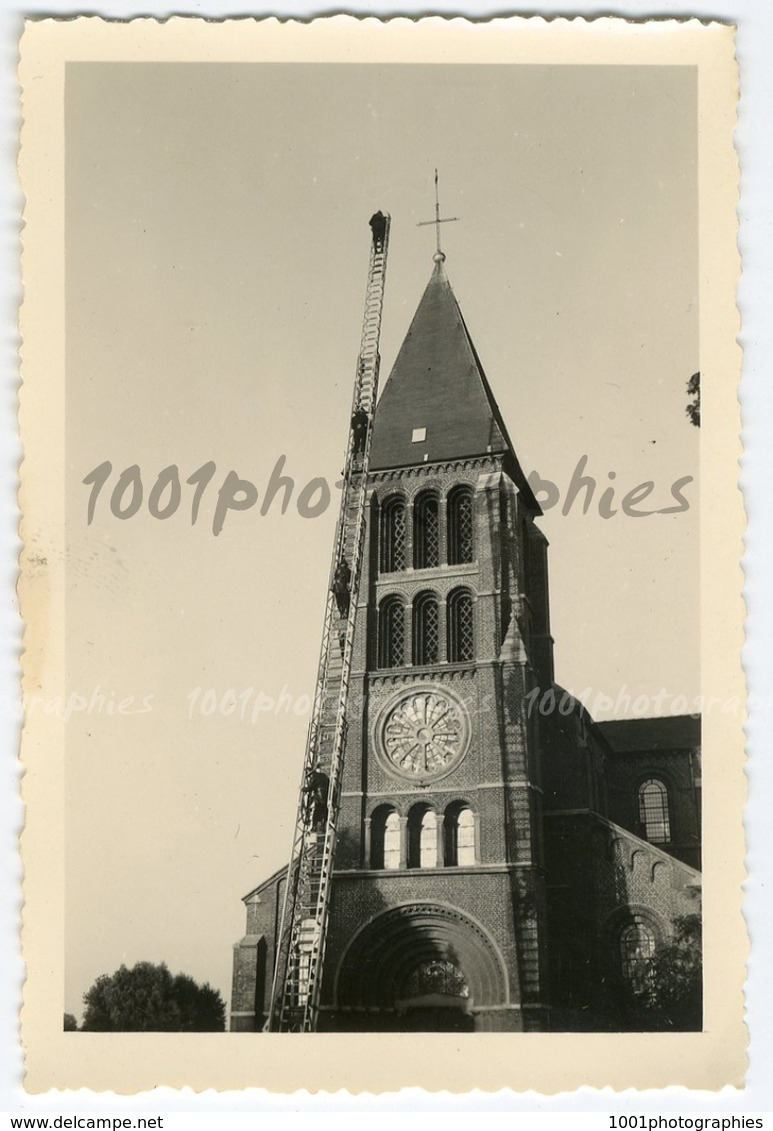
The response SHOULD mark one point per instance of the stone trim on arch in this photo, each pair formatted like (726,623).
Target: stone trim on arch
(665,870)
(635,913)
(381,956)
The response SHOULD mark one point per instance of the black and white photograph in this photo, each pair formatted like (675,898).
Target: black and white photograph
(385,686)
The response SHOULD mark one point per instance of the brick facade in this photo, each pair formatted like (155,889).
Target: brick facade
(527,926)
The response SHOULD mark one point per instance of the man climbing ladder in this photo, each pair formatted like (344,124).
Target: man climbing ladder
(302,935)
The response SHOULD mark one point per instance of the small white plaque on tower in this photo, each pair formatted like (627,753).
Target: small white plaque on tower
(418,435)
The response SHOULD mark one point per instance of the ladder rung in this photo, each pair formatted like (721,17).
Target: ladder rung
(301,946)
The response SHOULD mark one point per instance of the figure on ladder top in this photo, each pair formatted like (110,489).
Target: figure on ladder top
(360,422)
(342,587)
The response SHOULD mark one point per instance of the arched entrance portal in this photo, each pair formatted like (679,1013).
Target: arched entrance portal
(437,999)
(419,968)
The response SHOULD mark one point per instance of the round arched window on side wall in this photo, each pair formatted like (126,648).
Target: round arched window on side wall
(654,811)
(637,947)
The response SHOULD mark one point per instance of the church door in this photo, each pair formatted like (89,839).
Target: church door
(435,999)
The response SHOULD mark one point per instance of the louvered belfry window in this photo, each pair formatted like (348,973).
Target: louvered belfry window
(426,532)
(391,625)
(393,541)
(426,640)
(460,532)
(461,627)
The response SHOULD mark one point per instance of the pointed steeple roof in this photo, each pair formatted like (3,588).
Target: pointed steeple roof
(437,403)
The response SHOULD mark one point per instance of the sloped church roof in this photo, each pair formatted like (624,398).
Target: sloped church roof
(437,403)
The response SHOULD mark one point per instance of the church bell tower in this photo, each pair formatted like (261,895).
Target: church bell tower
(437,915)
(448,824)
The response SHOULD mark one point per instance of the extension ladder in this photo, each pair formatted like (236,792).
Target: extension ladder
(300,944)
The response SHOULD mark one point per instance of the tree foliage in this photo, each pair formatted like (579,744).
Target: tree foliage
(149,998)
(668,995)
(70,1024)
(675,989)
(693,408)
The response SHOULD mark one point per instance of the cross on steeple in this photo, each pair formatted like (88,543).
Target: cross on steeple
(439,257)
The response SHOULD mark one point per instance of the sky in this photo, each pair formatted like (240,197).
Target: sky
(217,247)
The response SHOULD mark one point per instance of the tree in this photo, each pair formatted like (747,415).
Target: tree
(667,994)
(149,998)
(693,408)
(70,1024)
(675,977)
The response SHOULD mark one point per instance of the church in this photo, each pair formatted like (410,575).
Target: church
(502,862)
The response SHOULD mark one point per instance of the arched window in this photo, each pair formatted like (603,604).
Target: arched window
(637,946)
(422,837)
(460,538)
(426,532)
(392,539)
(436,976)
(461,627)
(385,838)
(653,811)
(391,632)
(426,642)
(459,833)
